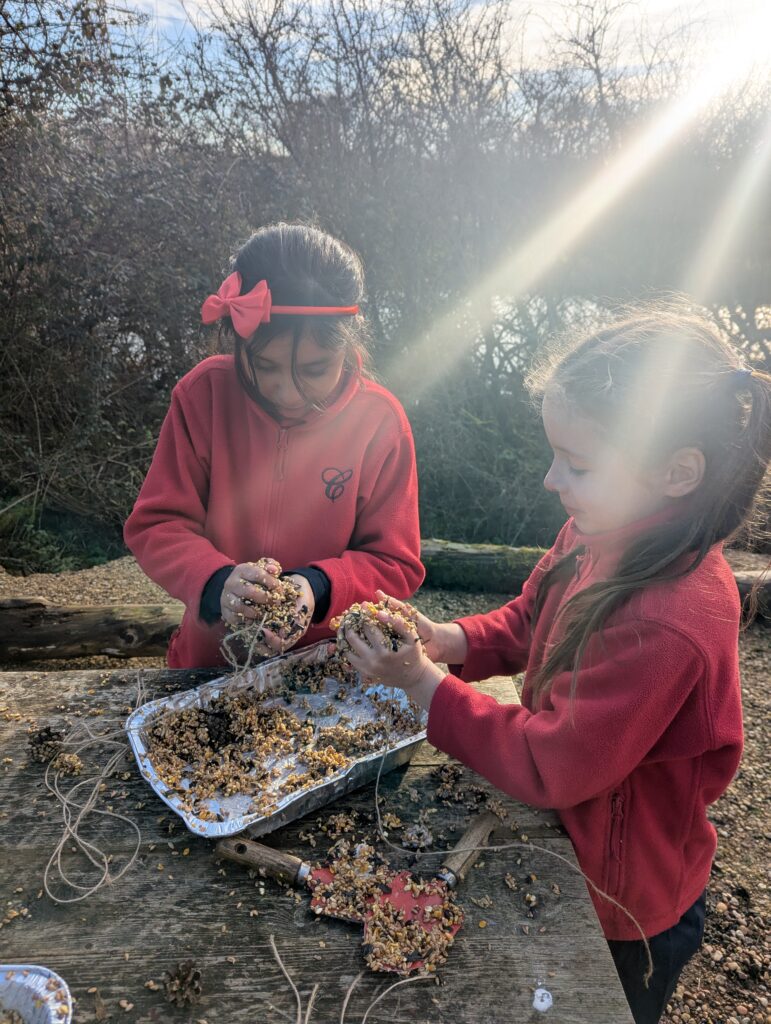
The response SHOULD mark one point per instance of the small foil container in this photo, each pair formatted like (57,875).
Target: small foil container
(38,995)
(234,811)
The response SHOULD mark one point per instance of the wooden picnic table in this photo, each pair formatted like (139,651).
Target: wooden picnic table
(178,903)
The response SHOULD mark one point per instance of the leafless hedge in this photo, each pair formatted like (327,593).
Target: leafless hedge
(418,131)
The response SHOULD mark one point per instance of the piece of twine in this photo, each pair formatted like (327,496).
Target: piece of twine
(306,1017)
(251,638)
(79,801)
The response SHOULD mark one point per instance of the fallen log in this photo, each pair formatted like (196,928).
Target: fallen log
(498,569)
(486,568)
(757,581)
(32,629)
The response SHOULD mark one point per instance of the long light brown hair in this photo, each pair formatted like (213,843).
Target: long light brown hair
(659,379)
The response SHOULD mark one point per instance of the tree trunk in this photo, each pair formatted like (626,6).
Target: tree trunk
(486,568)
(32,629)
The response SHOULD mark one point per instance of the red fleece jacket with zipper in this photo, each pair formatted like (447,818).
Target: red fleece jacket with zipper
(228,484)
(652,736)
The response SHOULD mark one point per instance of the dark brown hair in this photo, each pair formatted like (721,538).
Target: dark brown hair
(660,379)
(303,266)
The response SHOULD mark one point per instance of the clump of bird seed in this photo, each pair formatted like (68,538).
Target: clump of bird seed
(417,837)
(281,614)
(358,875)
(358,616)
(395,943)
(10,1016)
(67,764)
(310,677)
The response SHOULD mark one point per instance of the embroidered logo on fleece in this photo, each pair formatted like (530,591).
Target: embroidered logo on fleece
(335,480)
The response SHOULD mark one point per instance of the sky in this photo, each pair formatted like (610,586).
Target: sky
(712,18)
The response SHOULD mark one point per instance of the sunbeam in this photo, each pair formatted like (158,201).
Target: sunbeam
(732,218)
(416,371)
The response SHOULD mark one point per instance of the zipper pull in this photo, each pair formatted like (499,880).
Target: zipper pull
(283,445)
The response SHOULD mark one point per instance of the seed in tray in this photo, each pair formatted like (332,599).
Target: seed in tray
(245,743)
(311,677)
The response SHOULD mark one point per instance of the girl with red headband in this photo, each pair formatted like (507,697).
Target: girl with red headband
(284,451)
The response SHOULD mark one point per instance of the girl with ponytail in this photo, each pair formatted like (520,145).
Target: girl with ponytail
(630,723)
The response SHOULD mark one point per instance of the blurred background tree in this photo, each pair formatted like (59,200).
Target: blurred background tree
(423,133)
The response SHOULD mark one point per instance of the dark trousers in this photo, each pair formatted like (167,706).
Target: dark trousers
(671,950)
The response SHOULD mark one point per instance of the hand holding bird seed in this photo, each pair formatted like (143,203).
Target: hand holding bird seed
(305,605)
(386,648)
(247,589)
(266,612)
(443,641)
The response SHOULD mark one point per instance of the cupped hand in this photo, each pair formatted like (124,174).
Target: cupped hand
(305,606)
(246,589)
(443,641)
(408,667)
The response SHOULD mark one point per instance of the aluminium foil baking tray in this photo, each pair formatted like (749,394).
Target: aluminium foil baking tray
(36,993)
(267,676)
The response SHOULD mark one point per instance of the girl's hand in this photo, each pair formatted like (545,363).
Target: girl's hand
(409,667)
(304,609)
(246,589)
(443,641)
(246,593)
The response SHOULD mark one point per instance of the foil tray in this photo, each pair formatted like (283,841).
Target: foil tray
(267,676)
(25,989)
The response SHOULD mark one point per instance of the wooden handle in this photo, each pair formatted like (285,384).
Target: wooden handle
(466,849)
(265,859)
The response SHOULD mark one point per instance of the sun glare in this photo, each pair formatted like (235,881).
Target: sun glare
(732,219)
(552,241)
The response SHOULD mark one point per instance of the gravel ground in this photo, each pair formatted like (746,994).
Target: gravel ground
(727,982)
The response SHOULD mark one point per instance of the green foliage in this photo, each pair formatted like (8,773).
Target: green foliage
(54,541)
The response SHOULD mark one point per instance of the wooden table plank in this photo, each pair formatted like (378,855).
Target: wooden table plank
(193,907)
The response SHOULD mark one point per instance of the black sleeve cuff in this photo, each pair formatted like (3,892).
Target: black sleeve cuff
(320,585)
(210,610)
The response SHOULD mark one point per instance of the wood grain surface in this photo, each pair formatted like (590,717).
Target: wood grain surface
(178,903)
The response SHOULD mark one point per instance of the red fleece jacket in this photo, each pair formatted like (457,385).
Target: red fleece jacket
(228,484)
(654,737)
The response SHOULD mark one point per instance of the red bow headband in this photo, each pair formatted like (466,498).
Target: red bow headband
(249,311)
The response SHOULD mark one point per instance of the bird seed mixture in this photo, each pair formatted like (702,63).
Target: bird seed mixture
(359,875)
(10,1016)
(394,943)
(280,614)
(269,745)
(359,888)
(359,615)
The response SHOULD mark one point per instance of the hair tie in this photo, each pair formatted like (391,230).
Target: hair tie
(249,311)
(742,374)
